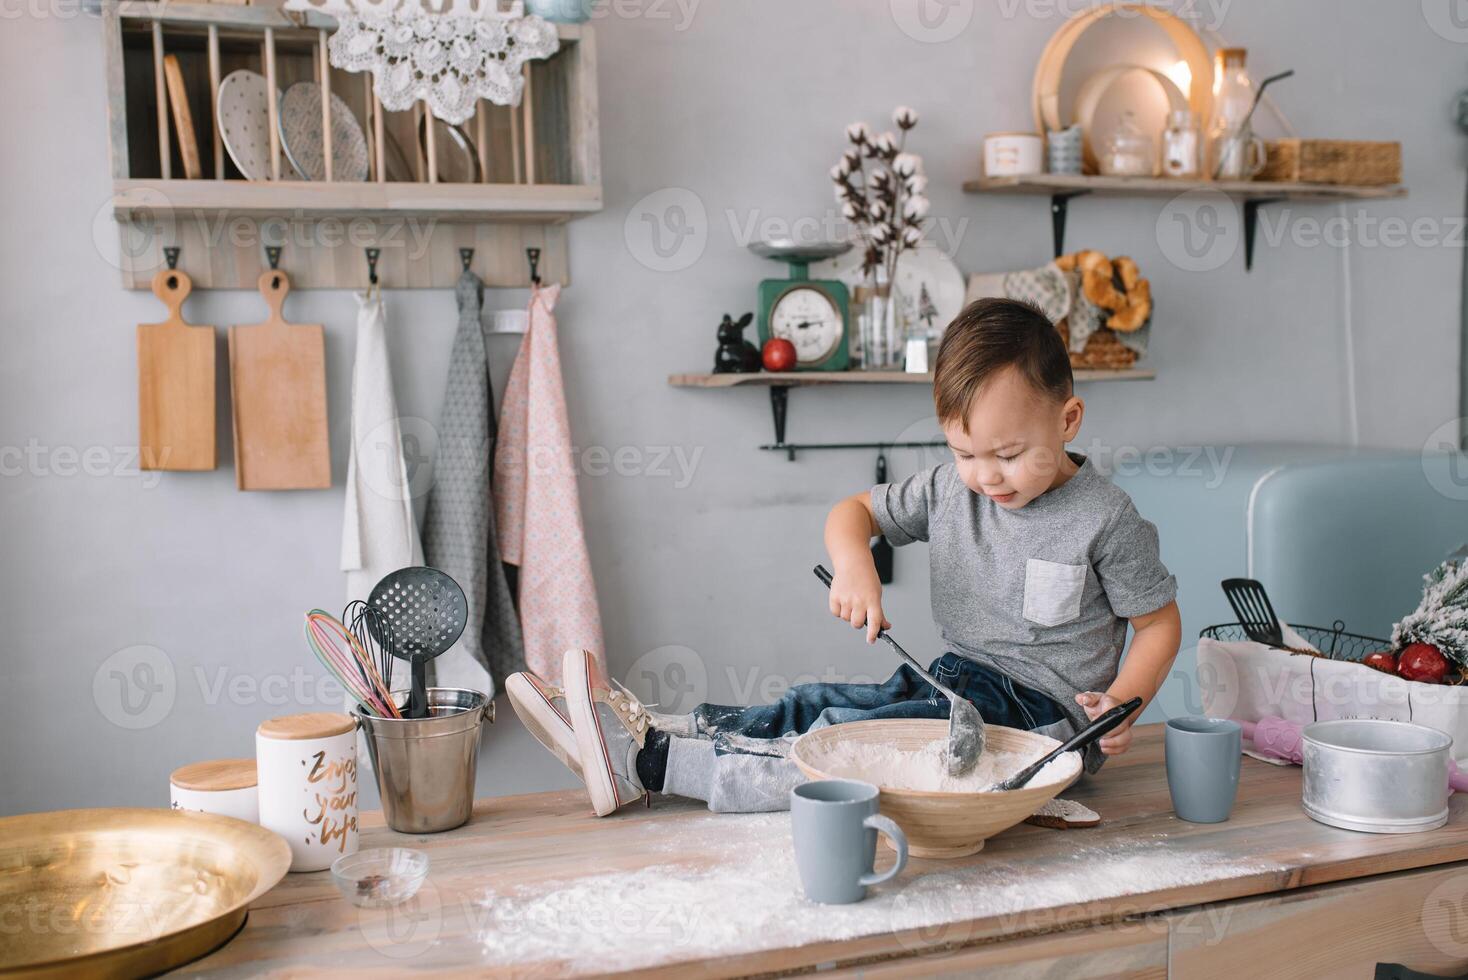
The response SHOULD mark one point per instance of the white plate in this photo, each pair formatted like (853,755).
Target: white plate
(244,125)
(926,266)
(300,134)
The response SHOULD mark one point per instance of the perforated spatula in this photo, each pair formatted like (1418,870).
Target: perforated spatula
(965,724)
(426,612)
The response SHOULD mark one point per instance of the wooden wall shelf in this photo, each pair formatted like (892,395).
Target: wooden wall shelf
(539,162)
(779,384)
(1251,195)
(1168,187)
(803,379)
(555,203)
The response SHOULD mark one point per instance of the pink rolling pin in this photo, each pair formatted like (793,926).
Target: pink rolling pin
(1280,739)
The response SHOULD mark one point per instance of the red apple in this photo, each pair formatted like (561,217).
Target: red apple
(778,354)
(1422,662)
(1383,660)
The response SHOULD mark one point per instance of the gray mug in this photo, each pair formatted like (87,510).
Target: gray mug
(1203,767)
(834,823)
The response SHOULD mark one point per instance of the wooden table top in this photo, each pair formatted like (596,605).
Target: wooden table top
(535,885)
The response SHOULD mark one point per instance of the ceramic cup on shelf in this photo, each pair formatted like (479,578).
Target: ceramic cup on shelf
(1013,154)
(834,824)
(1203,767)
(308,785)
(1065,149)
(227,787)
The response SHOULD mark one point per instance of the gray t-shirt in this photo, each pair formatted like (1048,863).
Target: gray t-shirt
(1041,594)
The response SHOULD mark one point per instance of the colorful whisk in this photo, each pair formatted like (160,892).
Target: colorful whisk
(339,652)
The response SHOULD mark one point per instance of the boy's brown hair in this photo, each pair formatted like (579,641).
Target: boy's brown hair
(989,336)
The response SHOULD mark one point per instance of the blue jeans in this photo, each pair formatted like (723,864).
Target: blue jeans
(903,695)
(739,761)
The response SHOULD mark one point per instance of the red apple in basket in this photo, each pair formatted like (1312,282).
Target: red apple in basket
(778,354)
(1422,662)
(1382,660)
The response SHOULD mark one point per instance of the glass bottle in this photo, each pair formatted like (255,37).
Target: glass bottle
(1233,98)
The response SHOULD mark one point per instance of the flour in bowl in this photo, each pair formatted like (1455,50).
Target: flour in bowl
(926,769)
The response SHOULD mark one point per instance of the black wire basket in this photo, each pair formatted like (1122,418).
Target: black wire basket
(1334,643)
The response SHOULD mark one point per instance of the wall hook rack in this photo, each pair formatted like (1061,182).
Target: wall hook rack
(373,254)
(779,406)
(532,255)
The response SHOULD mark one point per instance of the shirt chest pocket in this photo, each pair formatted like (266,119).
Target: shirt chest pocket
(1053,591)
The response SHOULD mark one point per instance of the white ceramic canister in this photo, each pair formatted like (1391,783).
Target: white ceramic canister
(1013,154)
(308,785)
(223,786)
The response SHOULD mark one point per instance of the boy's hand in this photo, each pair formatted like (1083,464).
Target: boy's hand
(856,596)
(1119,739)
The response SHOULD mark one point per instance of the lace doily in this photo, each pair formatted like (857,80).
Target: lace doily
(448,62)
(447,58)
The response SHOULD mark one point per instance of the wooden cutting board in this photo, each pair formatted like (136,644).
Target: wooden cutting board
(175,385)
(277,373)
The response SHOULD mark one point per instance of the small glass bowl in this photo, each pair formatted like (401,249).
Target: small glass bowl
(380,877)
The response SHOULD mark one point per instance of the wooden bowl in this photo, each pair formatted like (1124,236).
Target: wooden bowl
(938,824)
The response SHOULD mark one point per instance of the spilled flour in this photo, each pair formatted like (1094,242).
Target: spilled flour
(705,885)
(926,769)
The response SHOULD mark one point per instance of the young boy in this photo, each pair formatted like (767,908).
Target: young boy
(1038,564)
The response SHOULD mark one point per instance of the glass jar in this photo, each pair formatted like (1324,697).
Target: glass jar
(1180,144)
(1129,152)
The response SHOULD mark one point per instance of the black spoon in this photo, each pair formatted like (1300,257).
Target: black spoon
(1087,735)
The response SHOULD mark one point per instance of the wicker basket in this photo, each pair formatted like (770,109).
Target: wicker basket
(1103,351)
(1333,162)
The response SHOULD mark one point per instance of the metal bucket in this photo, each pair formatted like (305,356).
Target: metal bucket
(1382,777)
(425,766)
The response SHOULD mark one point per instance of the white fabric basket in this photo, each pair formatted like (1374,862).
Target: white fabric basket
(1247,681)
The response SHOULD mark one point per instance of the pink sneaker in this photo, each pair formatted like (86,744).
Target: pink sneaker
(611,726)
(542,709)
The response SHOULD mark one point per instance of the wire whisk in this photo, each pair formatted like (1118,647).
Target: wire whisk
(339,652)
(374,634)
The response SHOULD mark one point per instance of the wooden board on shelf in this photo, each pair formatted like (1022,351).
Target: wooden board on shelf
(799,379)
(1168,187)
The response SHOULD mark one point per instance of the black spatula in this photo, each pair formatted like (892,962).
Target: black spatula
(1256,613)
(1087,735)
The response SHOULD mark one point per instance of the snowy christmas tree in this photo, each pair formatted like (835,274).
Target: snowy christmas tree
(1442,619)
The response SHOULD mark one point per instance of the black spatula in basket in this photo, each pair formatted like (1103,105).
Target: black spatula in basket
(1256,613)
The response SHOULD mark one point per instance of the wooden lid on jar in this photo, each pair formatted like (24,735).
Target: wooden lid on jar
(215,776)
(315,724)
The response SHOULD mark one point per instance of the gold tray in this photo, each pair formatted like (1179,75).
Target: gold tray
(126,892)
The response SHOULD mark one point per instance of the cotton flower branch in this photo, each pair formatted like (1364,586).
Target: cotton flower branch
(880,186)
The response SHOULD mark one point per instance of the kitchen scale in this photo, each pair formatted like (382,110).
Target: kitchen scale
(813,314)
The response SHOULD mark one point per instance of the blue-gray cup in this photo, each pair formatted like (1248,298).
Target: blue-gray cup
(1203,767)
(834,823)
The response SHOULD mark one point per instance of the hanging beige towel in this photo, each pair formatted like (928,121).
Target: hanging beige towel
(378,533)
(537,511)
